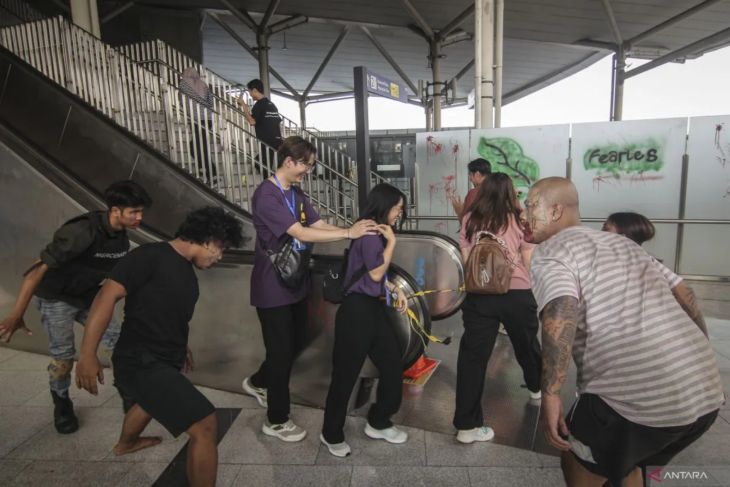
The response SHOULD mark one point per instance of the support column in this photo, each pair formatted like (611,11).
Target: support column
(486,76)
(498,50)
(362,136)
(619,66)
(437,85)
(263,54)
(303,113)
(427,111)
(85,14)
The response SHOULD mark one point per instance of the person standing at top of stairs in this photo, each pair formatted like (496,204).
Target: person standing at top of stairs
(264,116)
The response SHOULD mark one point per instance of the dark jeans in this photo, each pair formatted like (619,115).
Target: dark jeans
(482,313)
(362,329)
(284,330)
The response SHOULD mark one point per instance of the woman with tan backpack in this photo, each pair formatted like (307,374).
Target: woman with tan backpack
(497,281)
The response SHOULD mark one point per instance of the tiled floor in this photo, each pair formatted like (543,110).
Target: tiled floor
(33,454)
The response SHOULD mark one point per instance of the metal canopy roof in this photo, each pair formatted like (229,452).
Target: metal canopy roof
(545,40)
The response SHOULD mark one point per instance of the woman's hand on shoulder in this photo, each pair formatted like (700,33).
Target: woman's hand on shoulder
(387,232)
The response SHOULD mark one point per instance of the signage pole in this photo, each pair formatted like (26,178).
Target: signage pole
(362,137)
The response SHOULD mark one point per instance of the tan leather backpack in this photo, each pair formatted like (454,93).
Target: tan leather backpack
(489,267)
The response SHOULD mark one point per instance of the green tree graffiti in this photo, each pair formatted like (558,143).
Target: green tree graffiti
(507,156)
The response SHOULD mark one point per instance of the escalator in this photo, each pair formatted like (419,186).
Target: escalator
(57,154)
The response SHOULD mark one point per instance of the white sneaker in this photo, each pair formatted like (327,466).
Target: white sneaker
(535,396)
(337,449)
(391,435)
(483,433)
(258,393)
(288,431)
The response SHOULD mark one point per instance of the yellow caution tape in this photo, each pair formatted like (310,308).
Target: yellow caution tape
(436,291)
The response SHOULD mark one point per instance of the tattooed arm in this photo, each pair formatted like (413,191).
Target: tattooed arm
(688,301)
(559,320)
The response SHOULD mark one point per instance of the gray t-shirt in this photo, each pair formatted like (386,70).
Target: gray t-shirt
(634,345)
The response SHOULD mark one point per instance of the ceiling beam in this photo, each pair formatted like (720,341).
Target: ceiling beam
(670,22)
(464,70)
(288,23)
(591,44)
(612,22)
(390,60)
(273,5)
(552,77)
(326,60)
(113,13)
(241,15)
(251,51)
(330,96)
(448,28)
(419,19)
(709,41)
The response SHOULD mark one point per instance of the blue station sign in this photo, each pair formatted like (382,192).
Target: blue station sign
(382,86)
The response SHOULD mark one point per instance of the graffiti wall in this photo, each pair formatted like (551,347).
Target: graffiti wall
(616,166)
(708,196)
(629,166)
(442,159)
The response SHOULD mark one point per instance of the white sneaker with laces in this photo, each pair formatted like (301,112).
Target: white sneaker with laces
(483,433)
(391,435)
(257,393)
(337,449)
(288,431)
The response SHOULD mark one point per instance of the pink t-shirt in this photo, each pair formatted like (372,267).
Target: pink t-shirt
(515,240)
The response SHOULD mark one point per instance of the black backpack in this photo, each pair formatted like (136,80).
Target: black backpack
(333,287)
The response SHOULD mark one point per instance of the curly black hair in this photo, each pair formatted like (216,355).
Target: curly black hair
(211,223)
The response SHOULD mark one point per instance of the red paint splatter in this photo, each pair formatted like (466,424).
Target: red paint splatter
(433,147)
(449,185)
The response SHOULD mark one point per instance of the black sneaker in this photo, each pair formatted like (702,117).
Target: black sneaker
(64,418)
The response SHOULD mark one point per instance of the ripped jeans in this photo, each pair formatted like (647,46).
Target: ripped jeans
(58,320)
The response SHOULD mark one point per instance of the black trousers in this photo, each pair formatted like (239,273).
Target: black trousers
(284,331)
(362,329)
(482,313)
(199,149)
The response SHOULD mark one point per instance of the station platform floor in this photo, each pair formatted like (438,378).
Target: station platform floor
(33,454)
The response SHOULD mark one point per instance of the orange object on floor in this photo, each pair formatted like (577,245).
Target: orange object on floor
(421,367)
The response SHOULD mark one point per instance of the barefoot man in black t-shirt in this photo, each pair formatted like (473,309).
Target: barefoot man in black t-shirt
(160,289)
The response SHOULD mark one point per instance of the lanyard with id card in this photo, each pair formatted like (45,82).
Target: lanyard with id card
(291,204)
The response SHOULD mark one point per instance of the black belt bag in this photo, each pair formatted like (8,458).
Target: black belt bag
(291,265)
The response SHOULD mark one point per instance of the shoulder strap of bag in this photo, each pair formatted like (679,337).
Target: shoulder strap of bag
(501,242)
(355,277)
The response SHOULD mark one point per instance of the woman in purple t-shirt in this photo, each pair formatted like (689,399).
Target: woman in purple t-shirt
(281,211)
(363,329)
(496,210)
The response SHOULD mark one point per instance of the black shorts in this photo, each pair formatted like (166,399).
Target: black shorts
(617,445)
(160,389)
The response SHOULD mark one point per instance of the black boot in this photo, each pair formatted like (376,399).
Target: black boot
(64,418)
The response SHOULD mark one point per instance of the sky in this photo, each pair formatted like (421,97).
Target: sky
(698,87)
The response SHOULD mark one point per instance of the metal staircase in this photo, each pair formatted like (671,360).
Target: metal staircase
(215,146)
